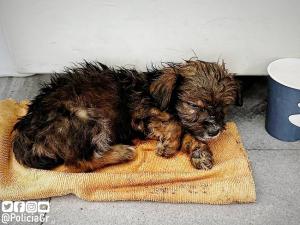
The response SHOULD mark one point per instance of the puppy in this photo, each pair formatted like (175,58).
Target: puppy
(198,95)
(86,118)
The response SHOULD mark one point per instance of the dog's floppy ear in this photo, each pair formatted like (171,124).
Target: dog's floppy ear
(162,88)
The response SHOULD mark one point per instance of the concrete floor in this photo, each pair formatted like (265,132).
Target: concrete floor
(275,166)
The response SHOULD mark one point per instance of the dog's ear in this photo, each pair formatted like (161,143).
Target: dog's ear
(162,88)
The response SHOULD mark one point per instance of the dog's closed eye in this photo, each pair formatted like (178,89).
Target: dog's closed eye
(196,106)
(192,104)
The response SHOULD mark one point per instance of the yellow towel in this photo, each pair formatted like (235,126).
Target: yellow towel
(148,178)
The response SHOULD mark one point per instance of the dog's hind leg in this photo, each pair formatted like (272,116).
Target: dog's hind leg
(115,155)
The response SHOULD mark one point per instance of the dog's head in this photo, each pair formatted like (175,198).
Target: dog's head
(200,93)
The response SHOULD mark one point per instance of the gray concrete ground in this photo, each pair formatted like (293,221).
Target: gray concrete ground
(275,166)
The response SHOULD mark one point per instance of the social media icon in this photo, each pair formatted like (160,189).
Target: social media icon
(31,207)
(7,206)
(19,206)
(43,207)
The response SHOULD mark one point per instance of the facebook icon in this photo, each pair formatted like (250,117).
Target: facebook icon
(19,206)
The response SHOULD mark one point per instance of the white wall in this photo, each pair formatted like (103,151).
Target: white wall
(7,67)
(45,35)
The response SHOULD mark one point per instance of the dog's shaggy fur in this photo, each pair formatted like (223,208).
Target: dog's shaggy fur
(87,117)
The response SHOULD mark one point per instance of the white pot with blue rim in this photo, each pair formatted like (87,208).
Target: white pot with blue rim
(283,111)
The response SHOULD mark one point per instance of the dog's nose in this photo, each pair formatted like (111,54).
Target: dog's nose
(213,131)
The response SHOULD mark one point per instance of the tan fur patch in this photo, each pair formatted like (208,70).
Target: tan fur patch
(82,114)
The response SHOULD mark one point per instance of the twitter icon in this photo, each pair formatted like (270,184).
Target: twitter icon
(7,206)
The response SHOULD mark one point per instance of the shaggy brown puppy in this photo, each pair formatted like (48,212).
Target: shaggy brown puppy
(87,117)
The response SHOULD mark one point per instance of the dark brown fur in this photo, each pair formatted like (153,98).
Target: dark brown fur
(86,118)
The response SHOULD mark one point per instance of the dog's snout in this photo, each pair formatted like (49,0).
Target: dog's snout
(213,130)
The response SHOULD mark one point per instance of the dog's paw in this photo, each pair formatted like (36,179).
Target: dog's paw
(125,152)
(165,150)
(129,152)
(202,159)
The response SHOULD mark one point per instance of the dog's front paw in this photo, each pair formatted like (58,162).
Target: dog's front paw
(165,150)
(202,159)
